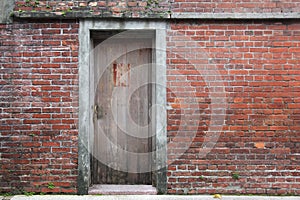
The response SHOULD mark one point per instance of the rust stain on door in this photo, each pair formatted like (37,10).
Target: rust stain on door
(121,73)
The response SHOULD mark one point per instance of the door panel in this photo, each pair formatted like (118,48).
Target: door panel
(121,113)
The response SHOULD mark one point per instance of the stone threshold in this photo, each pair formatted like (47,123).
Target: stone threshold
(122,190)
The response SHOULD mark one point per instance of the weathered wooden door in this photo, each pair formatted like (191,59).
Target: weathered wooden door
(122,71)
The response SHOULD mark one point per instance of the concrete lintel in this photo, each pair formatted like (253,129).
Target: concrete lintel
(182,15)
(190,15)
(6,8)
(84,15)
(110,24)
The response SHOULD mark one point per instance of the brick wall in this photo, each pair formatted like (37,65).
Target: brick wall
(258,63)
(151,8)
(140,8)
(237,6)
(232,85)
(39,106)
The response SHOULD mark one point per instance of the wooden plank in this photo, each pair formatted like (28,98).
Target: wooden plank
(132,113)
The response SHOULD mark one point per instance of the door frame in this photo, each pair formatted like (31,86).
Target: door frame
(86,96)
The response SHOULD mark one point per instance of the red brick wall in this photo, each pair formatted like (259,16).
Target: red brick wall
(236,6)
(140,8)
(258,63)
(39,106)
(254,65)
(157,8)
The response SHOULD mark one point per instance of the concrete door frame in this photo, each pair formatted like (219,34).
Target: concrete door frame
(86,85)
(6,8)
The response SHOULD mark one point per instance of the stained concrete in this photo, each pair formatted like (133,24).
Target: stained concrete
(175,15)
(123,189)
(6,8)
(146,197)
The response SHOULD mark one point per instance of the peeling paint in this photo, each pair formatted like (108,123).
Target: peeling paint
(121,73)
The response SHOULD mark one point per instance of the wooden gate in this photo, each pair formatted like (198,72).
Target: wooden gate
(122,104)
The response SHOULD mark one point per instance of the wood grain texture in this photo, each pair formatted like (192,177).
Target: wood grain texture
(121,69)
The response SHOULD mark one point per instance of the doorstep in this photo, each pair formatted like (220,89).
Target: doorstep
(123,190)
